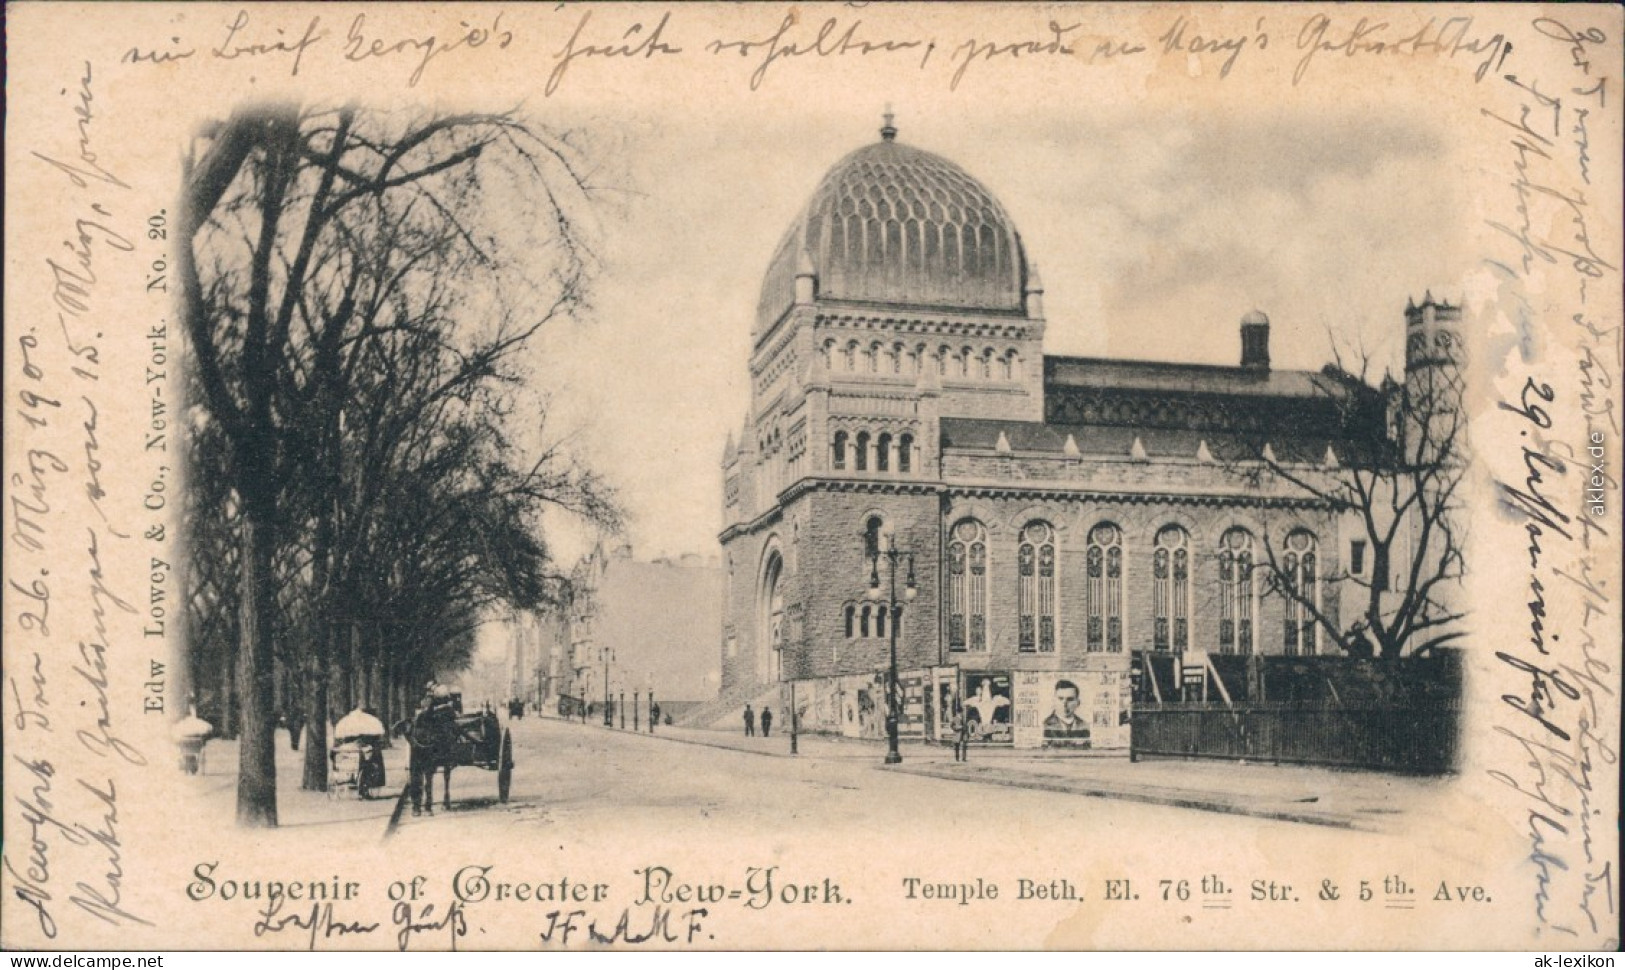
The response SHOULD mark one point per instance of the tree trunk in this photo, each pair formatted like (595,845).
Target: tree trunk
(256,773)
(315,773)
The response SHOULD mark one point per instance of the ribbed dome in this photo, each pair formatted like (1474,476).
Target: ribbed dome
(894,224)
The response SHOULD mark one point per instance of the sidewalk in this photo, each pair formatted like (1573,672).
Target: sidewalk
(1365,800)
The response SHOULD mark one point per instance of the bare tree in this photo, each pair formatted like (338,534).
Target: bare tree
(1395,478)
(341,266)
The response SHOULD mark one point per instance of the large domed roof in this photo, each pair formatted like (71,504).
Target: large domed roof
(894,224)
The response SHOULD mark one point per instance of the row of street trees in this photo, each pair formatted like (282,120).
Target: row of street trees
(367,473)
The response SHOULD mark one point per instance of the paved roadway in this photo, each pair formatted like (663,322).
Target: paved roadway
(585,776)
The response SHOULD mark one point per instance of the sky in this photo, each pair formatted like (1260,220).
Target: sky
(1153,233)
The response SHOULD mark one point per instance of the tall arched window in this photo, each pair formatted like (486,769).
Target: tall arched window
(883,453)
(860,457)
(852,355)
(873,528)
(1303,591)
(863,621)
(1236,592)
(840,450)
(1103,593)
(1171,589)
(1036,597)
(905,453)
(873,357)
(943,356)
(986,365)
(851,620)
(829,354)
(967,587)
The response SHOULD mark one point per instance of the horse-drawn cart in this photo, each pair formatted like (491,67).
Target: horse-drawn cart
(443,739)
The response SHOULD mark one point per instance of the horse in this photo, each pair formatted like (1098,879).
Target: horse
(441,742)
(432,733)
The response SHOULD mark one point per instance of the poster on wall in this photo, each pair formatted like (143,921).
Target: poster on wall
(1071,709)
(912,725)
(944,697)
(988,707)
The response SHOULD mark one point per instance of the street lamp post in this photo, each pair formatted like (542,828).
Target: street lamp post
(622,706)
(894,700)
(636,727)
(609,711)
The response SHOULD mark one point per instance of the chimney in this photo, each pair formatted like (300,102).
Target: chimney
(1255,340)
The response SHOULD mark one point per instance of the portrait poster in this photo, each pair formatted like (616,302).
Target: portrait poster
(441,440)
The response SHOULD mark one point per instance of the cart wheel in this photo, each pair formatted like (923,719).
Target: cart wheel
(505,768)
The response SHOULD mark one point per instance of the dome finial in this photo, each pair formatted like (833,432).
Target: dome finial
(888,131)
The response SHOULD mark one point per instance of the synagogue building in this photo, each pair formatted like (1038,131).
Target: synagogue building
(914,468)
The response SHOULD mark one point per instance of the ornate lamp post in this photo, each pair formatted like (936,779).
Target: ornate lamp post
(894,701)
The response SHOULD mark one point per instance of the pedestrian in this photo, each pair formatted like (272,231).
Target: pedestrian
(961,725)
(750,722)
(654,716)
(767,721)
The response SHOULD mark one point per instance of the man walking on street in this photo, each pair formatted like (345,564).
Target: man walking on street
(654,716)
(750,722)
(961,729)
(767,721)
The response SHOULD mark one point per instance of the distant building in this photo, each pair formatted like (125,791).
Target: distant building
(646,625)
(1060,514)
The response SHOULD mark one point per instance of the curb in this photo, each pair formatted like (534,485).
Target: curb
(1173,798)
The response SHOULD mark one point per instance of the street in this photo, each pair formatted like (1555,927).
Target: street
(665,823)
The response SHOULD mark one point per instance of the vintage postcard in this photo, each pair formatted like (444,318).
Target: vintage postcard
(790,475)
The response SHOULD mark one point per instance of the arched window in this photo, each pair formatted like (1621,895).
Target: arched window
(987,364)
(944,355)
(1004,366)
(1171,589)
(860,458)
(863,621)
(964,360)
(1103,593)
(880,619)
(852,355)
(840,450)
(905,453)
(1236,592)
(851,619)
(883,453)
(967,587)
(829,354)
(873,529)
(1037,594)
(1303,591)
(873,358)
(897,358)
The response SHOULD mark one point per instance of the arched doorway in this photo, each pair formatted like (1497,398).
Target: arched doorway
(769,659)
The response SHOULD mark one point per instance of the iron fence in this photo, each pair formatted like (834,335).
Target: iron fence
(1393,738)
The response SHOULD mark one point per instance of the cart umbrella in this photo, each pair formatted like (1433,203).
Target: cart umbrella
(358,724)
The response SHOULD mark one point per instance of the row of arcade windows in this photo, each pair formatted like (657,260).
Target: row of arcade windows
(987,363)
(871,620)
(864,452)
(1038,590)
